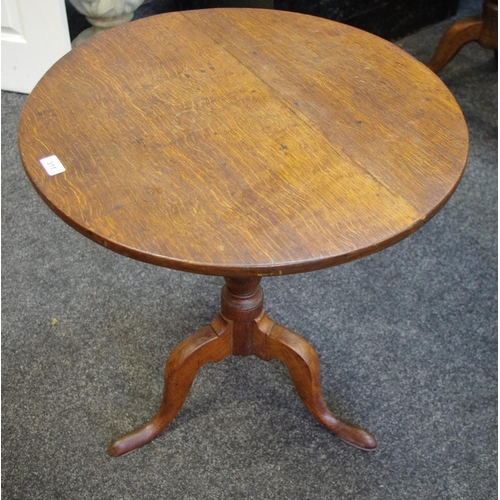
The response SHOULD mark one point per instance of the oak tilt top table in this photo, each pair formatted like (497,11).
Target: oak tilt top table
(242,143)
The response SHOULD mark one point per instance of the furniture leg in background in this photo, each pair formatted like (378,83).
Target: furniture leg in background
(481,28)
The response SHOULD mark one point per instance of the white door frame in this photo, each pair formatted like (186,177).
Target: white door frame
(34,36)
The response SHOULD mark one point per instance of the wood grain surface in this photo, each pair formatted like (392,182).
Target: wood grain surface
(243,142)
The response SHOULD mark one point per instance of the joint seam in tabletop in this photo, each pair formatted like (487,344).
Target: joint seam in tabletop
(333,156)
(301,116)
(229,47)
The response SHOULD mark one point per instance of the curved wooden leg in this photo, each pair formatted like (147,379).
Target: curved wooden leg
(275,341)
(212,343)
(241,328)
(454,38)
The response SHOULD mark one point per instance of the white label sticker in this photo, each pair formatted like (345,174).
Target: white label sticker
(52,165)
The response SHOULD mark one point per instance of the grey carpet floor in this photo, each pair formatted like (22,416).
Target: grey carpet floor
(406,338)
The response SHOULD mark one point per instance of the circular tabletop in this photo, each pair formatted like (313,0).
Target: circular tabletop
(242,142)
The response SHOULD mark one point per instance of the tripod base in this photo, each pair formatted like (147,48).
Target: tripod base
(242,328)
